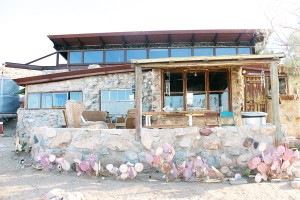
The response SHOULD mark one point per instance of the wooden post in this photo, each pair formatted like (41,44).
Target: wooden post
(138,101)
(275,101)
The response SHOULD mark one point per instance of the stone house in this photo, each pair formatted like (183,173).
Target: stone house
(170,78)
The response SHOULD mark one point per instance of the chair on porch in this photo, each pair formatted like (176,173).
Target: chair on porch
(227,119)
(211,119)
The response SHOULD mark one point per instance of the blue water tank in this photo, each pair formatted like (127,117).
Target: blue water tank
(9,102)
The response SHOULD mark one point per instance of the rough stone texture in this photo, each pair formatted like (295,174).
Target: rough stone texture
(237,81)
(119,145)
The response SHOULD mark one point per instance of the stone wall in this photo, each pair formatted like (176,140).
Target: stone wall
(225,146)
(28,120)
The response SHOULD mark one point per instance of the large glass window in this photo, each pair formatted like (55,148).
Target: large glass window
(196,90)
(181,52)
(59,99)
(75,57)
(114,56)
(136,54)
(46,100)
(243,50)
(34,100)
(117,102)
(158,53)
(93,56)
(203,52)
(77,96)
(225,51)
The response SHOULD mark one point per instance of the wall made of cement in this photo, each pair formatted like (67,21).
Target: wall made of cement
(225,146)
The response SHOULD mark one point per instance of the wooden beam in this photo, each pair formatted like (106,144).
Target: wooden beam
(215,40)
(138,101)
(275,102)
(40,58)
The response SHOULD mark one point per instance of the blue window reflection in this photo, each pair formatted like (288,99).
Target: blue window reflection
(245,50)
(75,57)
(225,51)
(181,52)
(93,56)
(114,56)
(158,53)
(46,100)
(77,96)
(203,52)
(34,100)
(136,54)
(59,99)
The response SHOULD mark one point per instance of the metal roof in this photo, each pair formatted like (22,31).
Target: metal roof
(147,37)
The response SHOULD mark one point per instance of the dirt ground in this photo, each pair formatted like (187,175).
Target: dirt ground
(17,183)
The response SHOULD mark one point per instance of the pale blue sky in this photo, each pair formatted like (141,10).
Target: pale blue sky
(25,24)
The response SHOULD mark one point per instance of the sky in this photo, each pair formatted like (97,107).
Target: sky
(25,24)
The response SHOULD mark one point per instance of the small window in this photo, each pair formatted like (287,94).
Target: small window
(93,56)
(59,99)
(75,57)
(225,51)
(158,53)
(181,52)
(46,100)
(243,50)
(203,51)
(34,100)
(136,54)
(77,96)
(114,56)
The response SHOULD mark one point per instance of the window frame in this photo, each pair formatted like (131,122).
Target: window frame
(207,91)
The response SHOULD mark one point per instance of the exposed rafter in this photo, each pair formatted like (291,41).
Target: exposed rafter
(193,39)
(65,44)
(146,40)
(124,41)
(41,58)
(215,40)
(169,39)
(238,38)
(101,42)
(80,42)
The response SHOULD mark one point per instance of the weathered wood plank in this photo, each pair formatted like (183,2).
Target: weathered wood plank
(138,101)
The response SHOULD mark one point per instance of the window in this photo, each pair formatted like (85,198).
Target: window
(52,100)
(225,51)
(196,90)
(181,52)
(114,56)
(117,102)
(34,100)
(244,51)
(203,52)
(75,57)
(93,56)
(136,54)
(77,96)
(46,100)
(158,53)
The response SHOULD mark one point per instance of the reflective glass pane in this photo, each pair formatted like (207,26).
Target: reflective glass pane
(59,99)
(77,96)
(243,50)
(113,95)
(93,56)
(136,54)
(203,52)
(114,56)
(121,95)
(104,95)
(175,80)
(34,100)
(181,52)
(75,57)
(218,101)
(47,100)
(195,81)
(196,101)
(174,101)
(225,51)
(158,53)
(218,81)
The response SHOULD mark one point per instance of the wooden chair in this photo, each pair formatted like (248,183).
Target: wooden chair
(94,116)
(211,119)
(227,119)
(130,123)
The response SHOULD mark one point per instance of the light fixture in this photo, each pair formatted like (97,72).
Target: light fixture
(195,74)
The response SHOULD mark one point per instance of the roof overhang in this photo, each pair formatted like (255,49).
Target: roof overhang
(64,42)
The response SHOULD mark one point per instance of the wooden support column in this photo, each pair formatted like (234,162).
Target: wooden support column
(275,101)
(138,101)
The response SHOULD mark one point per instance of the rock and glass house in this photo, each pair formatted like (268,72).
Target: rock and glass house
(170,80)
